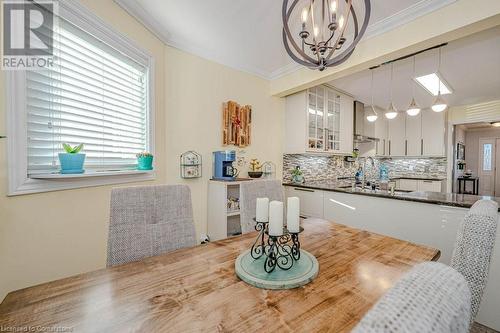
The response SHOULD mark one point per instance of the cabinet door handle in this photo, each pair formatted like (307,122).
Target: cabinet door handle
(384,146)
(303,189)
(406,147)
(421,146)
(389,147)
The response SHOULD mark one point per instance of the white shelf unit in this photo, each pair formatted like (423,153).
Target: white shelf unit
(221,222)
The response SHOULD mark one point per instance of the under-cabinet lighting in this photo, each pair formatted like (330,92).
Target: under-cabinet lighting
(343,204)
(430,83)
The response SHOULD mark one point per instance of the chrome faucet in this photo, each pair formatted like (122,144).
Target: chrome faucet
(363,167)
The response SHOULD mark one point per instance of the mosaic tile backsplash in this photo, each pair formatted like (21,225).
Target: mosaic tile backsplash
(331,167)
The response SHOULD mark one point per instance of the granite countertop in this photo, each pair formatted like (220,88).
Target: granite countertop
(419,178)
(446,199)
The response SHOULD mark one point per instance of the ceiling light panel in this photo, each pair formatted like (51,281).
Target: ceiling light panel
(430,83)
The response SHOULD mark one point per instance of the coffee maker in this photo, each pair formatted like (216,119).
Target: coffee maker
(223,165)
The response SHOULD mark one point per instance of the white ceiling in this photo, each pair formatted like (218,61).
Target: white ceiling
(246,34)
(470,65)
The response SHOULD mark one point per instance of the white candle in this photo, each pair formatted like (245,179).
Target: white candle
(292,214)
(262,210)
(275,218)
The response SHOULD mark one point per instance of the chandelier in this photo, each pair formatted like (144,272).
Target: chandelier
(322,39)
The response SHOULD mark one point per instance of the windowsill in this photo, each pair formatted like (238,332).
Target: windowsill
(86,174)
(39,183)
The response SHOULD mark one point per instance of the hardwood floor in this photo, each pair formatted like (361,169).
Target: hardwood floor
(478,328)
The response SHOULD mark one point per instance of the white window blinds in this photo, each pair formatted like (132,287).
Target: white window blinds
(93,95)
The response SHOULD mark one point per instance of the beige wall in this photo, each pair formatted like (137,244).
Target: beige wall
(194,92)
(52,235)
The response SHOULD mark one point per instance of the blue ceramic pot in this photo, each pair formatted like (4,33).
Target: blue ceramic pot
(298,179)
(71,163)
(145,163)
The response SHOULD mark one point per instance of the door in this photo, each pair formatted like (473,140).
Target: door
(497,170)
(397,134)
(333,120)
(433,128)
(413,135)
(486,166)
(315,121)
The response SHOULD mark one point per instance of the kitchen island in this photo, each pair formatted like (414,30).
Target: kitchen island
(440,198)
(427,218)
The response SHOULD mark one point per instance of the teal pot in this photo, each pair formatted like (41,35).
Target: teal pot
(71,163)
(145,163)
(298,179)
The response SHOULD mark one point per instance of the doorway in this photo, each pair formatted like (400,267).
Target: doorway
(487,166)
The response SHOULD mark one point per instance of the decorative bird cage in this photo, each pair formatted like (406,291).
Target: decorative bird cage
(191,165)
(269,169)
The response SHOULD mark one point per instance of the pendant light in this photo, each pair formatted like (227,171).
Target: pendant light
(372,116)
(413,109)
(391,111)
(439,104)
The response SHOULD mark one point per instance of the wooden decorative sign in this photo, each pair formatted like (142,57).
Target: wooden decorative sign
(236,124)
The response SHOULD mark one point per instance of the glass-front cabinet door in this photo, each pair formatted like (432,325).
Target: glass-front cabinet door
(315,119)
(323,119)
(333,120)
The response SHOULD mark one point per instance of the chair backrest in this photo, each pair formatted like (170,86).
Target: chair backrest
(431,297)
(149,220)
(474,248)
(249,192)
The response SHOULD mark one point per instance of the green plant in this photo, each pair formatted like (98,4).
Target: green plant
(296,171)
(72,150)
(144,154)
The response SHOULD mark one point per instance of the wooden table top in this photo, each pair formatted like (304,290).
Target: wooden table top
(196,289)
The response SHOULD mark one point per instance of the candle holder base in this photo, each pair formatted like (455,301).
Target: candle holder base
(301,273)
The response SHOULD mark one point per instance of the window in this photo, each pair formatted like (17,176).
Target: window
(93,95)
(98,93)
(487,148)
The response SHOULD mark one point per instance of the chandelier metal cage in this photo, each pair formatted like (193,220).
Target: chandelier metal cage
(327,44)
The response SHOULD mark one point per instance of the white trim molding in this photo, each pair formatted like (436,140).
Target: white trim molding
(15,89)
(398,19)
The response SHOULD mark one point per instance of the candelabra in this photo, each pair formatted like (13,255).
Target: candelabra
(281,251)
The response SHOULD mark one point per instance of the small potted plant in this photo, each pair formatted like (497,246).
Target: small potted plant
(72,160)
(255,168)
(144,161)
(297,176)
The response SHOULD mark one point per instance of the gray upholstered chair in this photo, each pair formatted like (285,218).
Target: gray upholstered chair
(149,220)
(249,192)
(431,297)
(474,248)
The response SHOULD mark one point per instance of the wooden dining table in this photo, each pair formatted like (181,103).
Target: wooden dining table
(196,289)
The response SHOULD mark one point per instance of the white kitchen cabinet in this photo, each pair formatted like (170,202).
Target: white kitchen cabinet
(408,184)
(433,131)
(311,201)
(430,185)
(397,136)
(320,120)
(414,135)
(382,148)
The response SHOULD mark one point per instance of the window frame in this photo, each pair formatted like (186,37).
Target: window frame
(15,97)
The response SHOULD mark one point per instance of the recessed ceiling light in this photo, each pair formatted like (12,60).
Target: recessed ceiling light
(430,83)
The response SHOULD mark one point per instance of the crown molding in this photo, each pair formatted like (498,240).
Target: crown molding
(405,16)
(140,14)
(398,19)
